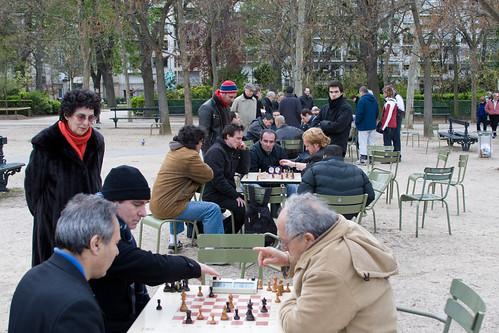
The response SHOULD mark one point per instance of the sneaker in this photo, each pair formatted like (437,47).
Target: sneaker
(360,162)
(172,247)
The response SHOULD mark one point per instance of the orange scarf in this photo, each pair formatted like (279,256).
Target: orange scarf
(79,143)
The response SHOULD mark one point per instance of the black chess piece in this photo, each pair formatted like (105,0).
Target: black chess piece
(178,286)
(159,307)
(249,313)
(228,307)
(188,319)
(211,292)
(264,306)
(236,316)
(167,288)
(185,285)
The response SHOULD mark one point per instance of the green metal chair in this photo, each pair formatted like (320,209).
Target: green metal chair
(434,136)
(442,157)
(346,204)
(371,148)
(391,159)
(465,307)
(380,182)
(248,143)
(230,248)
(292,147)
(441,175)
(352,143)
(408,133)
(157,223)
(462,165)
(277,197)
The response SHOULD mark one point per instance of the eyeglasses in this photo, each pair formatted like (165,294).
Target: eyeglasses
(81,118)
(284,245)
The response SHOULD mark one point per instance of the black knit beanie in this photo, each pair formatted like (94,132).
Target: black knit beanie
(125,183)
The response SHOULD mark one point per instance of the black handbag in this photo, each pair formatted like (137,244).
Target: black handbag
(378,127)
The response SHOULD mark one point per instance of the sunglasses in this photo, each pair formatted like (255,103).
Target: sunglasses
(81,118)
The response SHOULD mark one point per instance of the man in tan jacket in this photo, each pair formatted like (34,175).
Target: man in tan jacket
(340,271)
(181,173)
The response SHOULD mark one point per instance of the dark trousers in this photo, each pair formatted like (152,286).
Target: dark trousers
(239,213)
(481,120)
(389,134)
(494,120)
(396,136)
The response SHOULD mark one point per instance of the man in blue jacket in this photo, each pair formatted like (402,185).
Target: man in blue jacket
(365,121)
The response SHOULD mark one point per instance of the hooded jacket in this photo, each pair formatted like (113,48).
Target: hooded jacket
(340,284)
(367,113)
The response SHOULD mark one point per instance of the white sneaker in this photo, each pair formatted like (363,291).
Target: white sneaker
(360,162)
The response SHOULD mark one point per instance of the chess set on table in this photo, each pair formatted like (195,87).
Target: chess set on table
(275,172)
(206,309)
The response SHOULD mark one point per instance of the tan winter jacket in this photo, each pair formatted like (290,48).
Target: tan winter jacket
(330,291)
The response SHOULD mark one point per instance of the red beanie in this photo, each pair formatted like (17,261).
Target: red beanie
(228,87)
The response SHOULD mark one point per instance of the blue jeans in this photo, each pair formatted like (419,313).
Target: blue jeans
(208,212)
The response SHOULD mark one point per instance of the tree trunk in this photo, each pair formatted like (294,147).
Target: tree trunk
(103,53)
(299,48)
(184,62)
(456,77)
(213,53)
(124,57)
(84,45)
(146,73)
(161,85)
(412,81)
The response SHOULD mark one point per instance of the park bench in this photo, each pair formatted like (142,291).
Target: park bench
(460,137)
(437,111)
(6,169)
(139,114)
(15,109)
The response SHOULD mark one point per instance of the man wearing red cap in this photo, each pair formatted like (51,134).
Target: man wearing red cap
(214,114)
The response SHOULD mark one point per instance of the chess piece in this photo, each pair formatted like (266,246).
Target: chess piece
(212,321)
(228,307)
(277,300)
(231,305)
(183,306)
(236,316)
(159,307)
(264,306)
(224,314)
(167,287)
(269,288)
(200,293)
(287,290)
(260,284)
(185,285)
(211,294)
(249,313)
(200,315)
(188,319)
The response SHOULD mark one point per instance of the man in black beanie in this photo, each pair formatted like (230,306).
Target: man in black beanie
(122,293)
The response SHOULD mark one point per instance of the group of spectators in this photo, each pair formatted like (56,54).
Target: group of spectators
(68,250)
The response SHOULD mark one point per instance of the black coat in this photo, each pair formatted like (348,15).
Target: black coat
(55,173)
(267,104)
(260,160)
(290,108)
(113,291)
(55,297)
(211,115)
(307,102)
(332,176)
(335,120)
(225,161)
(255,129)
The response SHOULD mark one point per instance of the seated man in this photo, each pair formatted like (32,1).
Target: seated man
(267,153)
(182,172)
(122,293)
(307,118)
(258,125)
(285,132)
(340,271)
(332,176)
(226,157)
(55,296)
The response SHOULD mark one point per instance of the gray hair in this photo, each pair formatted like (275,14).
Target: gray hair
(364,90)
(280,120)
(307,213)
(84,217)
(270,93)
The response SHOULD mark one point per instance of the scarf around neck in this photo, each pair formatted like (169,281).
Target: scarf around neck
(79,143)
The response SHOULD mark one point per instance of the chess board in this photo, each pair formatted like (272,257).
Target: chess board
(266,178)
(171,319)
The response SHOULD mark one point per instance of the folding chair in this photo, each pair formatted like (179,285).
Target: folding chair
(346,204)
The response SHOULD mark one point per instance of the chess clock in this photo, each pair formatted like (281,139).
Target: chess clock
(234,286)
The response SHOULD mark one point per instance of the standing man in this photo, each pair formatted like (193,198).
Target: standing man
(258,125)
(340,271)
(245,105)
(181,174)
(400,115)
(55,296)
(214,113)
(259,105)
(332,176)
(226,157)
(290,107)
(122,293)
(365,121)
(307,101)
(267,102)
(335,118)
(492,108)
